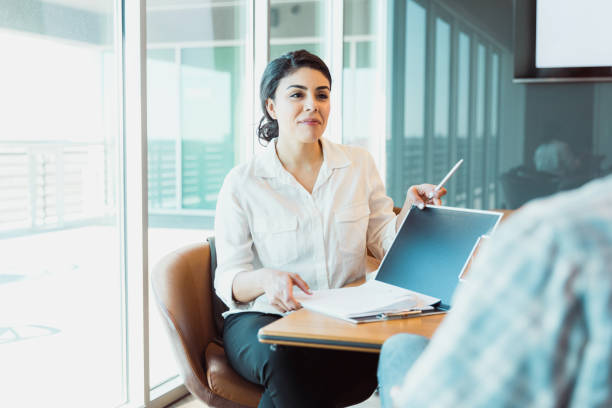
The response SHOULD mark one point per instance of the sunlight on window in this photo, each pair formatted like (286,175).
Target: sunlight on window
(60,281)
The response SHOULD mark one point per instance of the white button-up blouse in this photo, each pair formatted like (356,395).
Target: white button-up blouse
(265,218)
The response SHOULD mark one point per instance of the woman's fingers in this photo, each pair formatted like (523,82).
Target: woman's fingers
(436,194)
(301,283)
(279,306)
(283,297)
(419,195)
(288,298)
(415,198)
(279,290)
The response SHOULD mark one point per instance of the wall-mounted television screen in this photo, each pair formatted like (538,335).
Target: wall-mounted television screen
(562,40)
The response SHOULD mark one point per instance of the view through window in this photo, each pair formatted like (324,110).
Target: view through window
(61,335)
(196,108)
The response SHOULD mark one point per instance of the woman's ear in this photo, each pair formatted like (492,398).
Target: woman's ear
(270,108)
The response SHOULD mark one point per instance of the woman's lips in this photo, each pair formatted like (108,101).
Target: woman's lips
(310,122)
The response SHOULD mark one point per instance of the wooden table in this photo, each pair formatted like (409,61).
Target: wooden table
(311,329)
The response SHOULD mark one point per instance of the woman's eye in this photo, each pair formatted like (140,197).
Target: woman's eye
(323,96)
(295,95)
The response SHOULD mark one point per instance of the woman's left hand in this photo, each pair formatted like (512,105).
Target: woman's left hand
(419,195)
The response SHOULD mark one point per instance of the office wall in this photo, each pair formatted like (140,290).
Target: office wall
(562,112)
(602,122)
(577,113)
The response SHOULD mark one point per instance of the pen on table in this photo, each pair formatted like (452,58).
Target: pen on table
(445,179)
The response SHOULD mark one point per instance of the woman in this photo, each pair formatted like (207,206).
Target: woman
(300,214)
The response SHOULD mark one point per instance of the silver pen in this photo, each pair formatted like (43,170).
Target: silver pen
(445,179)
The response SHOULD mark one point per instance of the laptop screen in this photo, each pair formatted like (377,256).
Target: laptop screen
(432,248)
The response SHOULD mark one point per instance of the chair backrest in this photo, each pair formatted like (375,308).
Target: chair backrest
(522,184)
(182,286)
(217,304)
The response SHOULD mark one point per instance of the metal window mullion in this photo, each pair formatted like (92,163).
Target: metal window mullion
(260,47)
(473,88)
(119,201)
(497,131)
(135,210)
(396,82)
(430,66)
(334,30)
(301,40)
(453,99)
(378,143)
(486,131)
(246,149)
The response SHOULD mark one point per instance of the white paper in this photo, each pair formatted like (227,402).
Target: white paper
(371,298)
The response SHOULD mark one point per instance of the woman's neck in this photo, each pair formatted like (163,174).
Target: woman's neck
(302,160)
(300,156)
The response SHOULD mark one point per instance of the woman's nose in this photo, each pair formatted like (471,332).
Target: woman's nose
(310,105)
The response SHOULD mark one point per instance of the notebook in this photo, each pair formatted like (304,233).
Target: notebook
(419,272)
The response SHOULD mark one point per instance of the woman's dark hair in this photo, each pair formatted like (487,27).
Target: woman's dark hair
(275,71)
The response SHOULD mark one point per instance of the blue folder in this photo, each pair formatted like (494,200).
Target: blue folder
(432,248)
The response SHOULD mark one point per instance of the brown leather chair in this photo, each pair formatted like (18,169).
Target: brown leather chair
(182,287)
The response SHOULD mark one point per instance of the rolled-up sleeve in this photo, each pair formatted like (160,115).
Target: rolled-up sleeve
(233,241)
(381,226)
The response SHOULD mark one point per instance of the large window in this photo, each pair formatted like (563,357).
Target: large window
(441,122)
(83,219)
(459,190)
(446,80)
(297,25)
(362,94)
(196,107)
(61,325)
(408,149)
(492,156)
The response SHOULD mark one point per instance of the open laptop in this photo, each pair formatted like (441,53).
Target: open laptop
(432,249)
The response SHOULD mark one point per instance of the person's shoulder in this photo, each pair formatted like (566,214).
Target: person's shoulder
(240,174)
(355,154)
(353,150)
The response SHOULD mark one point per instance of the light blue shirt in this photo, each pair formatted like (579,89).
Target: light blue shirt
(532,327)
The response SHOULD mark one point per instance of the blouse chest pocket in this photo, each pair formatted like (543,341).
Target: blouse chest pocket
(351,227)
(276,240)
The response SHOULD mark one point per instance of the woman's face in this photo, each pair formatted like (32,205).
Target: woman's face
(301,105)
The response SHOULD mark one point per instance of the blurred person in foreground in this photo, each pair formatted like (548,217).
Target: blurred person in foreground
(532,326)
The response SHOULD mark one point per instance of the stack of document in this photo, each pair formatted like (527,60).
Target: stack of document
(372,301)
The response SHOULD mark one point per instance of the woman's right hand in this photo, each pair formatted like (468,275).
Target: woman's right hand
(278,287)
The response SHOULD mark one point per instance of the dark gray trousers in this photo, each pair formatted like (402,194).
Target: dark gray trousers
(297,376)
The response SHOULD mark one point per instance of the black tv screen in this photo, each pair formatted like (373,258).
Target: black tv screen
(562,40)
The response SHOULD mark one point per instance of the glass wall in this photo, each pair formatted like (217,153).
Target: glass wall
(362,116)
(492,156)
(296,25)
(441,107)
(459,182)
(406,149)
(196,108)
(61,326)
(450,99)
